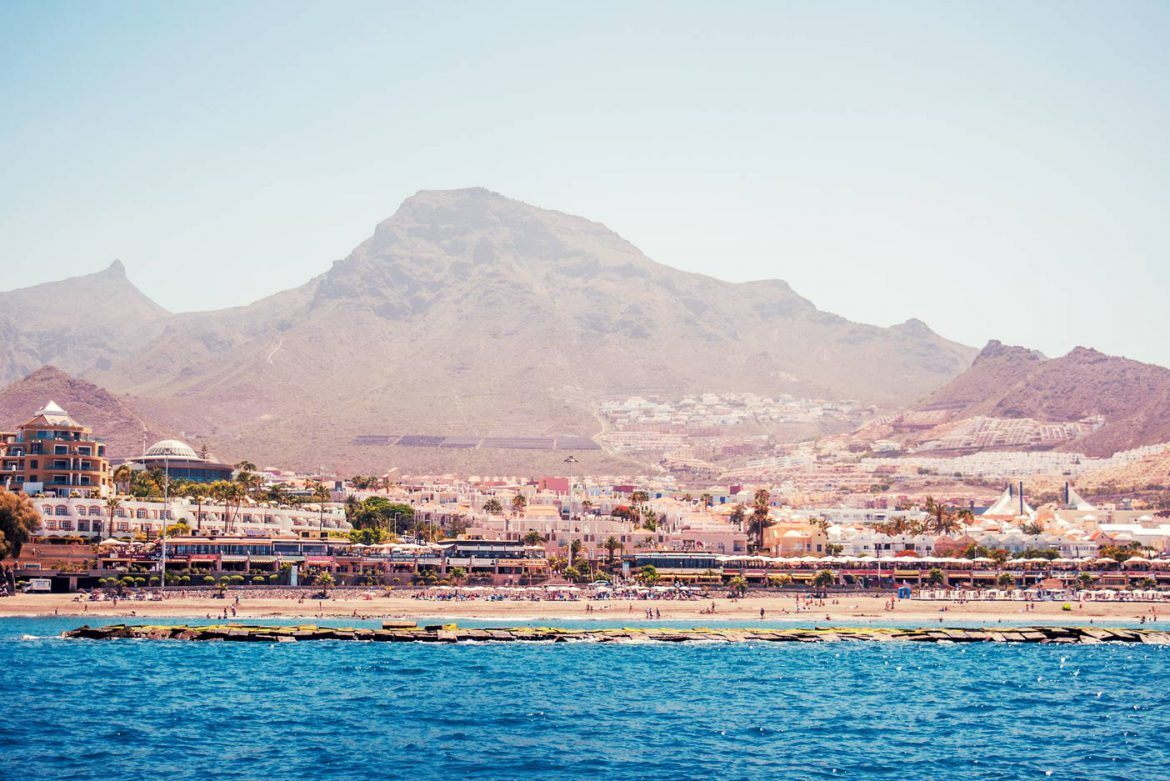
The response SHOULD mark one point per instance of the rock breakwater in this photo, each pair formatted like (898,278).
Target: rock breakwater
(451,633)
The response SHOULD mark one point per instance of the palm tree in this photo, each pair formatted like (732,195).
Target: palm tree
(277,494)
(518,504)
(247,477)
(611,544)
(493,507)
(199,492)
(227,491)
(533,538)
(112,503)
(896,526)
(738,585)
(19,520)
(738,515)
(944,519)
(760,517)
(706,500)
(321,495)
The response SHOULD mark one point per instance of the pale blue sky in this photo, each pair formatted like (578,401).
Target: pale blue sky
(999,170)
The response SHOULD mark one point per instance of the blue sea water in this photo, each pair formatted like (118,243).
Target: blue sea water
(335,710)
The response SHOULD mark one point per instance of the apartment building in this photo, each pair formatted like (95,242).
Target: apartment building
(53,454)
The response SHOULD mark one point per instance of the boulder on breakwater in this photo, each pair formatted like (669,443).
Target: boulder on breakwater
(451,633)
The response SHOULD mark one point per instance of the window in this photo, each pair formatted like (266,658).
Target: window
(140,513)
(62,510)
(85,451)
(60,464)
(60,450)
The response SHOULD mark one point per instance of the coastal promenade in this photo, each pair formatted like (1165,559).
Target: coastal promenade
(846,609)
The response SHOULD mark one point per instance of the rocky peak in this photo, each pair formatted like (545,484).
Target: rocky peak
(997,350)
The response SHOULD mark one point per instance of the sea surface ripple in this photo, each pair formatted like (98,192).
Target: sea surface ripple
(81,709)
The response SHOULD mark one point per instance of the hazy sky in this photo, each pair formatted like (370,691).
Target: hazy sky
(999,170)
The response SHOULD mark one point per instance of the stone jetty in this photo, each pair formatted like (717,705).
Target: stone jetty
(402,632)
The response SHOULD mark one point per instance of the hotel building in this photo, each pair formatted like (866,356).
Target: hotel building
(53,454)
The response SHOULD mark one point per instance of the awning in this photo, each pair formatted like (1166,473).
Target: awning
(318,559)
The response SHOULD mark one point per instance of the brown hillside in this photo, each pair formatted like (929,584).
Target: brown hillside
(110,418)
(1133,398)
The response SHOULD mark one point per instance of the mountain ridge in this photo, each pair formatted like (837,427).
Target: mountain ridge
(466,312)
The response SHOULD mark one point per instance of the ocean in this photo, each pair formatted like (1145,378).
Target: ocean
(78,709)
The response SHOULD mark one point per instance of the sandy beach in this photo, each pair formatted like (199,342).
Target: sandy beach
(846,609)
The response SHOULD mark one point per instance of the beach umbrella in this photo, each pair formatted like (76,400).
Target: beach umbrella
(110,542)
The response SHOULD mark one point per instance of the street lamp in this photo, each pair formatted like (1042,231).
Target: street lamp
(162,576)
(570,461)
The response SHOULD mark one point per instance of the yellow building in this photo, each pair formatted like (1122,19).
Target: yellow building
(795,539)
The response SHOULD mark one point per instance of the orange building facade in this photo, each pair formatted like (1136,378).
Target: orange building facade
(55,455)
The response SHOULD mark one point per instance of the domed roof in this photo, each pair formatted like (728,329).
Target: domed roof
(171,448)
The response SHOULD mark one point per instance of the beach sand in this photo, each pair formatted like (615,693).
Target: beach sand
(847,610)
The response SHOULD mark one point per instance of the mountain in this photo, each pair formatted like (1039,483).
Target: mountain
(1129,399)
(467,313)
(111,418)
(80,324)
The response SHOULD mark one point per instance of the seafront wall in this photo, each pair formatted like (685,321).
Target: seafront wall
(396,632)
